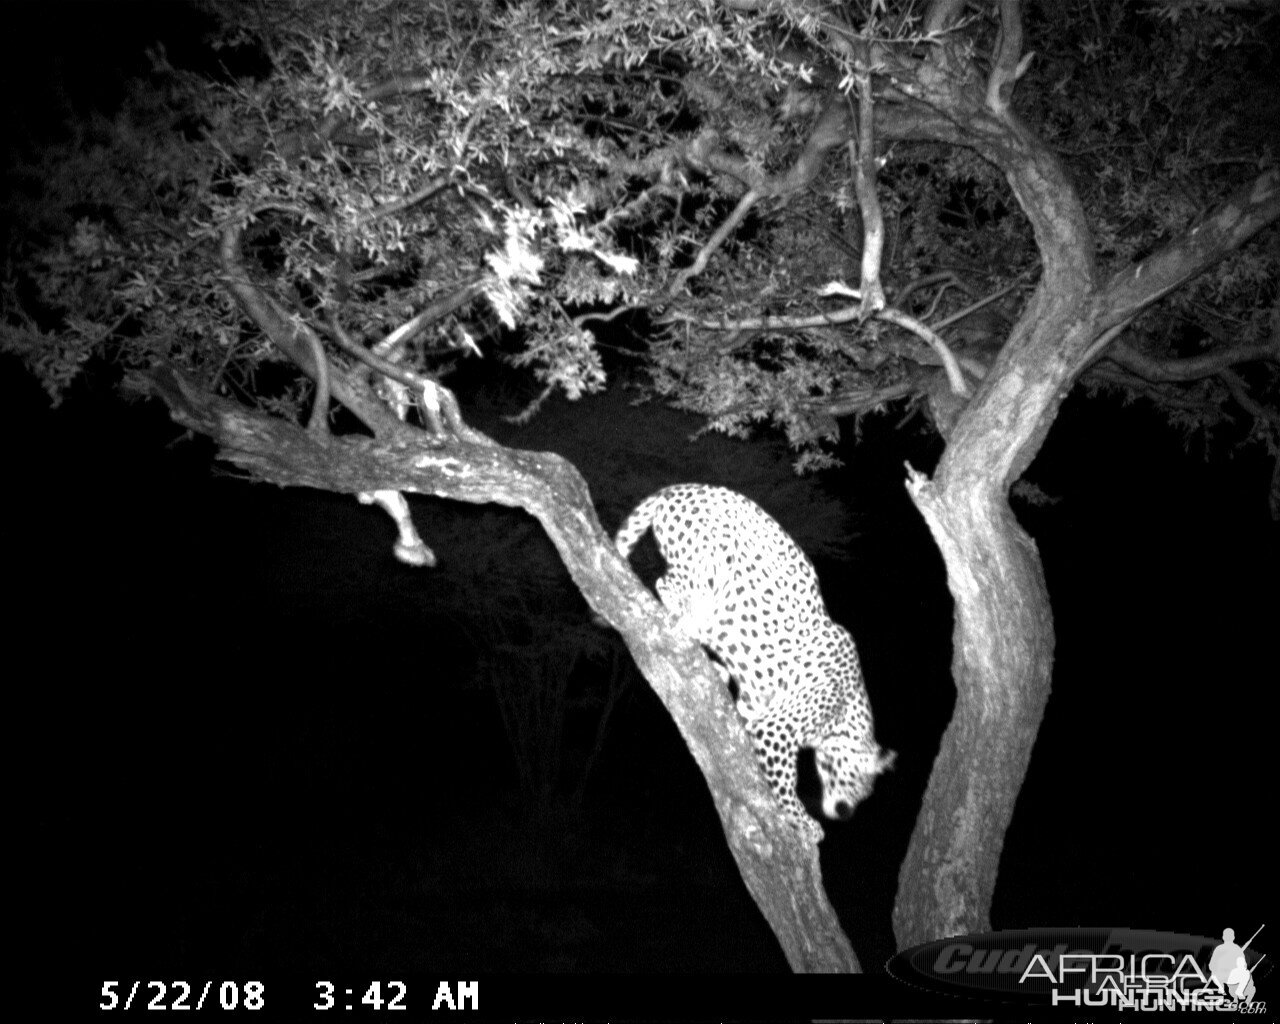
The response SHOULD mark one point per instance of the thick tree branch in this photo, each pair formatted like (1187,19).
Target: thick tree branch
(1231,225)
(1206,364)
(1195,400)
(941,15)
(852,402)
(782,873)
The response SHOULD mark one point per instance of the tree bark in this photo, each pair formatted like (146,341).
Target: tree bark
(1003,643)
(1003,639)
(782,873)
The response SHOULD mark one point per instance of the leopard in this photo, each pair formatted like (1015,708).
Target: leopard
(739,585)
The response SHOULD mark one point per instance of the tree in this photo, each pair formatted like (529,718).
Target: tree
(385,189)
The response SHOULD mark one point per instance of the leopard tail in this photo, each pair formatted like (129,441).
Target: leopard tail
(637,523)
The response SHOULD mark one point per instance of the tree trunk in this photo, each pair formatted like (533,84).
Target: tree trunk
(1002,663)
(1003,639)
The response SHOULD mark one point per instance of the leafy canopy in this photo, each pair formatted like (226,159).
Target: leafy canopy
(541,181)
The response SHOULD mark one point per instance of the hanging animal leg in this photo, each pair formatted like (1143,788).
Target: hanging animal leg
(409,548)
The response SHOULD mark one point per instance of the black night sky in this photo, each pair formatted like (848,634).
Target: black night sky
(245,738)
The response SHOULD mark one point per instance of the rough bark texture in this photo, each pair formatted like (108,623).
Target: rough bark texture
(782,874)
(1003,639)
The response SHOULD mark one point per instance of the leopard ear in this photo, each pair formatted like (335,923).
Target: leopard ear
(886,760)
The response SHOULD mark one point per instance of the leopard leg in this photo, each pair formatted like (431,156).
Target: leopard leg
(776,749)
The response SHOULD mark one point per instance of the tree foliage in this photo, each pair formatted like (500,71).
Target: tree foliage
(521,172)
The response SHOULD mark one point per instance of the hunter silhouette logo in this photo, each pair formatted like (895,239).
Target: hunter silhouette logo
(1229,968)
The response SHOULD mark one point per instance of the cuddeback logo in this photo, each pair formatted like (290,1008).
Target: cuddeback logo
(1078,967)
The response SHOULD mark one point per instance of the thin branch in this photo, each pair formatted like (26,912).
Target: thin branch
(975,306)
(296,339)
(849,314)
(319,419)
(850,402)
(909,323)
(846,315)
(403,203)
(842,403)
(439,406)
(408,378)
(1240,392)
(342,266)
(954,377)
(607,315)
(396,339)
(1103,340)
(942,277)
(830,131)
(749,199)
(863,158)
(1008,64)
(526,414)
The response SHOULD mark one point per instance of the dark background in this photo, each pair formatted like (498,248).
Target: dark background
(247,738)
